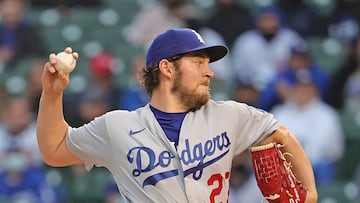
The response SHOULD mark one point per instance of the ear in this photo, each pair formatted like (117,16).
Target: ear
(165,68)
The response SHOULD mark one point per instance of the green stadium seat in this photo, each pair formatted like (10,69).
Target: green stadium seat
(347,165)
(333,193)
(50,17)
(253,5)
(350,125)
(53,38)
(34,16)
(109,17)
(107,36)
(126,8)
(86,18)
(326,52)
(323,7)
(89,187)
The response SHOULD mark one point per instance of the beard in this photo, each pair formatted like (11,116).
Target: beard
(190,98)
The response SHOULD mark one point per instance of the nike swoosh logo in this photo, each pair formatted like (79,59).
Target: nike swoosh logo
(135,132)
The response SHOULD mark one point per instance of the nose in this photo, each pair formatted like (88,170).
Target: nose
(209,73)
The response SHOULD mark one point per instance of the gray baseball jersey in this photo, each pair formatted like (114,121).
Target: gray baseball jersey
(148,168)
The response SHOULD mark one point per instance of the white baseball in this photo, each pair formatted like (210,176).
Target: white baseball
(65,62)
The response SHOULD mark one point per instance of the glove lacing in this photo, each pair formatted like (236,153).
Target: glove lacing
(287,165)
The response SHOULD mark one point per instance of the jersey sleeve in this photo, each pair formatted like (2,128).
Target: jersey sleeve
(90,142)
(254,125)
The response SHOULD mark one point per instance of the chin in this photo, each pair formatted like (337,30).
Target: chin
(198,101)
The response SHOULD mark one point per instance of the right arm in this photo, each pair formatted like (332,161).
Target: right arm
(51,125)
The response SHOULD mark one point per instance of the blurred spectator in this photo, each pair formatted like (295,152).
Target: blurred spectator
(246,93)
(157,17)
(344,26)
(230,19)
(18,38)
(18,130)
(134,96)
(92,104)
(222,68)
(345,87)
(34,87)
(102,69)
(101,95)
(243,186)
(302,18)
(261,52)
(344,29)
(21,182)
(279,88)
(316,125)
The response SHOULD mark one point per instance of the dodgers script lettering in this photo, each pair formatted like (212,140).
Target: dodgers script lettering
(145,160)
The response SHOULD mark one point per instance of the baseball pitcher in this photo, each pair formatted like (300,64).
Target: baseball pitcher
(179,147)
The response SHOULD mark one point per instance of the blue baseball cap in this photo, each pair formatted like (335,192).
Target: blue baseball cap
(180,41)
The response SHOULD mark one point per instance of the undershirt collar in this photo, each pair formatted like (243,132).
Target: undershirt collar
(170,123)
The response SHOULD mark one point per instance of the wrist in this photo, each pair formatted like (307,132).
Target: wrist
(51,96)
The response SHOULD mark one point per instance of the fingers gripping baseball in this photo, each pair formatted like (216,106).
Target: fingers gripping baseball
(57,70)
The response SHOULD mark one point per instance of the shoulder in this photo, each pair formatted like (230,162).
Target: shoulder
(129,116)
(229,107)
(118,114)
(221,104)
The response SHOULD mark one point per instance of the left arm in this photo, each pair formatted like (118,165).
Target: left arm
(302,168)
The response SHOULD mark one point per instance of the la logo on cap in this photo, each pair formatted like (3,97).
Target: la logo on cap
(180,41)
(198,36)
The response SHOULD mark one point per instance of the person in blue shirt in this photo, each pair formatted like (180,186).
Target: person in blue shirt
(21,182)
(19,39)
(278,89)
(134,96)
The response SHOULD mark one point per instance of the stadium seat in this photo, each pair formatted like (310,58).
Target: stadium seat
(126,8)
(254,5)
(86,18)
(326,52)
(322,7)
(333,193)
(53,38)
(34,16)
(350,124)
(90,187)
(347,165)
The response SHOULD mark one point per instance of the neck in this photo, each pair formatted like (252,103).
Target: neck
(167,102)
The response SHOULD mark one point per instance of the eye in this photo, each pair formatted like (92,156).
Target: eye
(198,62)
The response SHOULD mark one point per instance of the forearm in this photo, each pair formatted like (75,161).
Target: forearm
(51,126)
(301,165)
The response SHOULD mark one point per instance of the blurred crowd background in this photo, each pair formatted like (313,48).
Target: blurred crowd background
(298,59)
